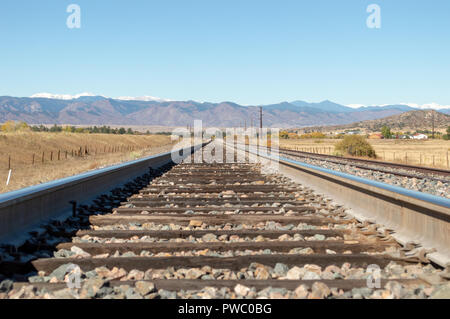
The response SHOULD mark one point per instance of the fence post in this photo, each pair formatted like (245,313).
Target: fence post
(9,162)
(33,160)
(59,155)
(51,156)
(447,160)
(43,157)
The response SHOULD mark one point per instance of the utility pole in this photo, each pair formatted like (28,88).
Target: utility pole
(432,121)
(260,118)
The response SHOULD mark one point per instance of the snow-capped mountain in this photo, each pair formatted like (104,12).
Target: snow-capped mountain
(61,96)
(68,97)
(142,98)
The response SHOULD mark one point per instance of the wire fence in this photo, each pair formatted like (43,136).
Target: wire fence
(57,155)
(439,159)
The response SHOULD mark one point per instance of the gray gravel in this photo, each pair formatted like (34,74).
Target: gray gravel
(209,238)
(95,284)
(422,184)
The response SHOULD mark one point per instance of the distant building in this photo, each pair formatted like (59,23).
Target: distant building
(420,136)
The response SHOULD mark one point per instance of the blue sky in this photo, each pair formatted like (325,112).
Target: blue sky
(246,51)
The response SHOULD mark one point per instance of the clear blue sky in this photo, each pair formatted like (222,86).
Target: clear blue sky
(247,51)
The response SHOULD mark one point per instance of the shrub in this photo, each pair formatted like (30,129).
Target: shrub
(355,145)
(313,135)
(12,126)
(9,126)
(284,135)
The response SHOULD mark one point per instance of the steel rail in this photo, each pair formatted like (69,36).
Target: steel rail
(355,161)
(26,209)
(423,219)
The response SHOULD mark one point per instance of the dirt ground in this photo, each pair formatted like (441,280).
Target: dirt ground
(48,151)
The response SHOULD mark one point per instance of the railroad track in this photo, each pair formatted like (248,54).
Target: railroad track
(409,171)
(220,231)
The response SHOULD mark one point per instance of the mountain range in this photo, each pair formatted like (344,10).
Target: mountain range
(99,110)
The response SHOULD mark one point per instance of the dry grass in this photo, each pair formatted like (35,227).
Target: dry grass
(21,147)
(430,153)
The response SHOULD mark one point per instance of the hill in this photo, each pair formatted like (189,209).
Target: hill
(408,121)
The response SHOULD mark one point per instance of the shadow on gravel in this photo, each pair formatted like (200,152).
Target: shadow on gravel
(15,262)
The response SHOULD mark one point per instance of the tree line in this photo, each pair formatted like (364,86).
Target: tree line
(388,134)
(91,129)
(12,126)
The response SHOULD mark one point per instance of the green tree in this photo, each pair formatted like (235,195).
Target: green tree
(386,132)
(447,136)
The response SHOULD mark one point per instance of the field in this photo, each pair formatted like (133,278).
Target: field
(430,153)
(36,158)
